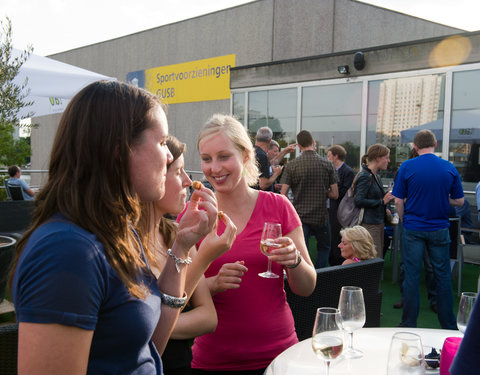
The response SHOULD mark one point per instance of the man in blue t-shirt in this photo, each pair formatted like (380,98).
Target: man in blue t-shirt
(424,189)
(15,172)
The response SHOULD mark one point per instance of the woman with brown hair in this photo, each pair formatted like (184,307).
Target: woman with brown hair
(85,297)
(199,316)
(369,193)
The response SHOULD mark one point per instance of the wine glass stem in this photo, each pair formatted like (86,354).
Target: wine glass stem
(327,367)
(269,268)
(350,343)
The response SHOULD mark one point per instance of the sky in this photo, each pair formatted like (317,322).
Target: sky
(52,26)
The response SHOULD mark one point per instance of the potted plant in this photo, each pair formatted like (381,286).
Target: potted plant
(7,255)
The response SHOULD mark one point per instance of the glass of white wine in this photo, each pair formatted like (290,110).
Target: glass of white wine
(327,336)
(352,309)
(271,231)
(465,307)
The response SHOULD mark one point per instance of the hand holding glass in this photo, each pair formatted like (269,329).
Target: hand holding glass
(271,231)
(352,309)
(465,307)
(327,336)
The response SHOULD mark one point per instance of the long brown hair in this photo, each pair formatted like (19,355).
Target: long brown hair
(88,180)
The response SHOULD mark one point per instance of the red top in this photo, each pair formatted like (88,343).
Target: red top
(255,323)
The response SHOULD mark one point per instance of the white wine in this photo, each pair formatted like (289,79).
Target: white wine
(461,327)
(268,245)
(327,347)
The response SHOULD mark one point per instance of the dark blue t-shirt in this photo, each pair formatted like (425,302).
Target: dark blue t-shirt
(63,277)
(427,182)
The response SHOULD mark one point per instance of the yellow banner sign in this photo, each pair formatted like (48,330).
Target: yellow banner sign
(194,81)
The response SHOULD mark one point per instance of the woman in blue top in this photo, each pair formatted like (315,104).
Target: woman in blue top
(85,297)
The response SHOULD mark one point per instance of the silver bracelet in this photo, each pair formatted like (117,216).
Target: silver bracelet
(174,302)
(299,260)
(178,260)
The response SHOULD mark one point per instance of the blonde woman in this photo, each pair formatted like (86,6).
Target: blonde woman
(356,245)
(255,323)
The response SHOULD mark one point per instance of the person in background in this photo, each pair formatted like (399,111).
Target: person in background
(85,297)
(429,277)
(337,155)
(199,316)
(255,322)
(369,193)
(312,180)
(276,156)
(424,188)
(477,195)
(356,245)
(15,172)
(268,173)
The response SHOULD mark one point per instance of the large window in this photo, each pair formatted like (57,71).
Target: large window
(333,114)
(239,106)
(465,125)
(399,107)
(276,109)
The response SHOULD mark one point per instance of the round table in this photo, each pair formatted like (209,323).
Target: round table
(374,342)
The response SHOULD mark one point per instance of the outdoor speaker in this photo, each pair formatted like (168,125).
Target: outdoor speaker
(359,60)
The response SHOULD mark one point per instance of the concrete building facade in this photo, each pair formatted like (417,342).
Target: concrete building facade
(287,59)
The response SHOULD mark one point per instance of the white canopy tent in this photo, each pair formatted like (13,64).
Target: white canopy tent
(51,83)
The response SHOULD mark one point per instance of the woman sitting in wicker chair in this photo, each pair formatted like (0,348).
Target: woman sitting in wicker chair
(356,245)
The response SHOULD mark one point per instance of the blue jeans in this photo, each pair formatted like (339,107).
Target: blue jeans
(322,235)
(437,244)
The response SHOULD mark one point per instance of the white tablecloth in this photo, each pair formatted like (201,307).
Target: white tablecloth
(374,342)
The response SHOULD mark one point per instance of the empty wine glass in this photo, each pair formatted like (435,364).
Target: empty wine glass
(352,309)
(327,336)
(465,307)
(405,355)
(271,231)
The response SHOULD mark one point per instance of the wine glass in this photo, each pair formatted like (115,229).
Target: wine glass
(327,337)
(352,309)
(271,231)
(406,354)
(465,307)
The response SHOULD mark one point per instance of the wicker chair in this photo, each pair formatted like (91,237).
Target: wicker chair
(15,217)
(366,275)
(8,349)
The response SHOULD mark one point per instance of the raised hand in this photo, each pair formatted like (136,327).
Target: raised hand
(214,245)
(199,219)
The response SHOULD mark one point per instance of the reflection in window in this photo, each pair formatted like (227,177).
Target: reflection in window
(239,106)
(465,126)
(276,109)
(332,113)
(399,107)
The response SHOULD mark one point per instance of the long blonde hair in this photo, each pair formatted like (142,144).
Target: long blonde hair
(361,241)
(237,133)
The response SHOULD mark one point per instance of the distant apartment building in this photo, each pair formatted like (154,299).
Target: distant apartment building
(406,103)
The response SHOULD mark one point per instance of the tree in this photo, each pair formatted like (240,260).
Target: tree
(12,99)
